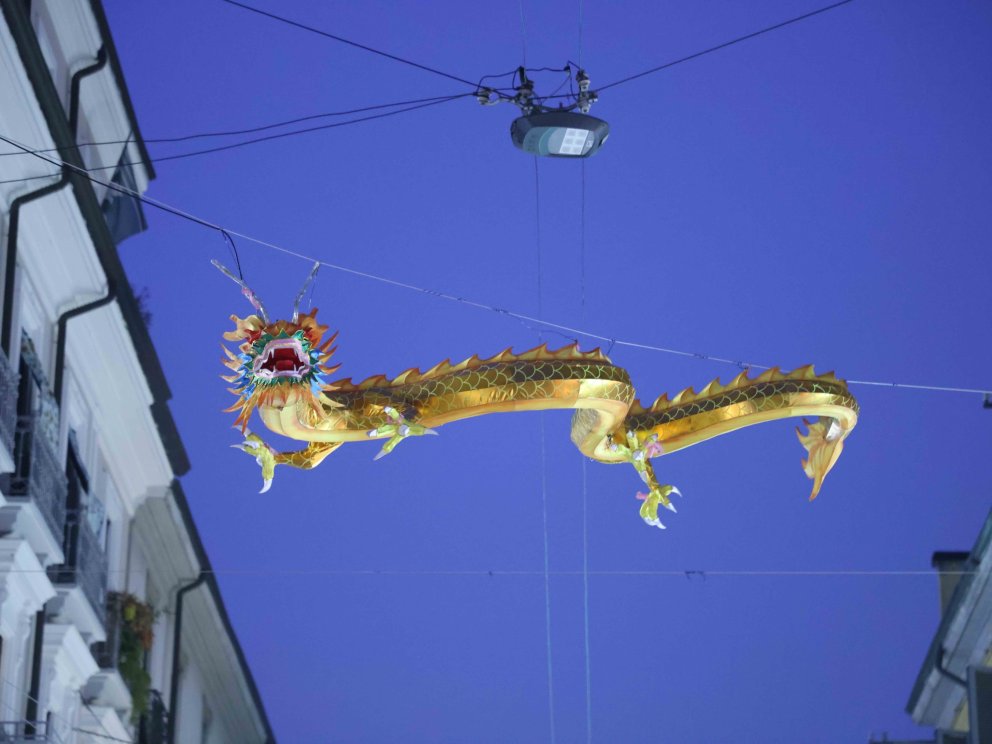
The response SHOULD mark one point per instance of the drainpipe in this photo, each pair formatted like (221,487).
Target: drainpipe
(10,278)
(176,637)
(64,319)
(77,79)
(15,207)
(31,712)
(10,270)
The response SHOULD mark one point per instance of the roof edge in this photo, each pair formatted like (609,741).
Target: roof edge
(957,599)
(96,6)
(207,569)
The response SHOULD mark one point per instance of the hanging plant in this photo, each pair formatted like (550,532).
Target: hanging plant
(137,620)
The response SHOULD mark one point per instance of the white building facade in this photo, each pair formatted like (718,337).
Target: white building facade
(112,626)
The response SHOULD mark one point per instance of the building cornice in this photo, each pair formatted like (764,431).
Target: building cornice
(69,655)
(22,575)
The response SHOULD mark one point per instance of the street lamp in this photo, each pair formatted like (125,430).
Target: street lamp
(567,131)
(559,134)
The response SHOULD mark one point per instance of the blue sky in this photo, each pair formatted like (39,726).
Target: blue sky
(819,194)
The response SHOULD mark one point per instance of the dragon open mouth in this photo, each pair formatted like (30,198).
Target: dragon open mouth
(282,357)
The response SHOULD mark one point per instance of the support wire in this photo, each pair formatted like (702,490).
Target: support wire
(569,330)
(544,459)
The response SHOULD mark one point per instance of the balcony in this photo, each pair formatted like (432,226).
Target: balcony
(107,653)
(154,725)
(85,562)
(8,413)
(123,680)
(108,687)
(38,478)
(27,732)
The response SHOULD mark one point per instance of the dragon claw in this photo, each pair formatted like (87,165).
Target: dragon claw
(264,455)
(397,430)
(656,497)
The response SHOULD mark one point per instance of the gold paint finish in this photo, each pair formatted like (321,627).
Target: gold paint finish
(541,379)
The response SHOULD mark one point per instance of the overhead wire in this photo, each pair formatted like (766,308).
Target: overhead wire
(341,39)
(523,30)
(248,130)
(554,94)
(585,481)
(427,102)
(544,460)
(322,127)
(256,140)
(720,46)
(523,317)
(539,572)
(585,477)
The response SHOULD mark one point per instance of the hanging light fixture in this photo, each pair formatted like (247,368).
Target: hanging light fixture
(562,132)
(559,134)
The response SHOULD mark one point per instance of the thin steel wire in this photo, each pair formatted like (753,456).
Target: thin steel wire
(523,31)
(572,331)
(723,45)
(726,44)
(585,488)
(233,132)
(544,457)
(355,44)
(540,573)
(253,141)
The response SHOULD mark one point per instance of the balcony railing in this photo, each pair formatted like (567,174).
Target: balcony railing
(107,653)
(86,563)
(154,726)
(38,475)
(8,403)
(27,732)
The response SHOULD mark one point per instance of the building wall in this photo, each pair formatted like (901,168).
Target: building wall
(131,531)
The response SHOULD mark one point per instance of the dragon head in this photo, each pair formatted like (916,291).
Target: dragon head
(277,363)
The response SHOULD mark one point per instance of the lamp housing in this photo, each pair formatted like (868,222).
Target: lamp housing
(559,134)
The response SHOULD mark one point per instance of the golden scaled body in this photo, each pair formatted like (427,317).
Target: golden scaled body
(609,424)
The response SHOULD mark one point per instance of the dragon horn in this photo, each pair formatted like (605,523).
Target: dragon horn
(303,289)
(245,289)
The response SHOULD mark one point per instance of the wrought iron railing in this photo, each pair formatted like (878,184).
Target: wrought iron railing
(154,725)
(8,403)
(23,732)
(38,475)
(85,562)
(107,653)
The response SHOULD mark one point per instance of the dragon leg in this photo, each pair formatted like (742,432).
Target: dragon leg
(639,455)
(397,428)
(307,458)
(657,495)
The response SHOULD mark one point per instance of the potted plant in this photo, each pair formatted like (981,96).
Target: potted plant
(137,619)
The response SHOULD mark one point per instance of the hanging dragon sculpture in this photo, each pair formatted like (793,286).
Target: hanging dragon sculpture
(280,370)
